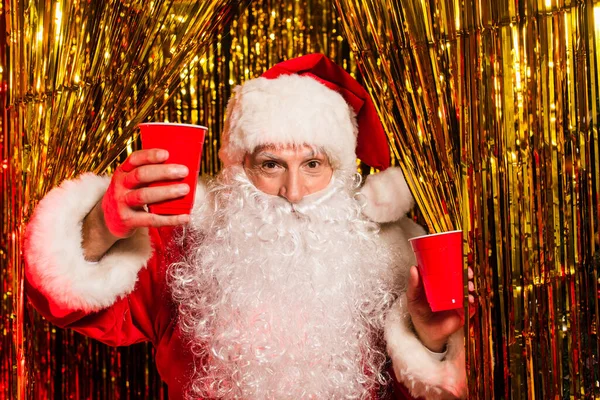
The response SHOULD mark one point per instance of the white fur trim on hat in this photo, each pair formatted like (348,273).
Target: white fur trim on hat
(290,109)
(414,365)
(54,255)
(387,195)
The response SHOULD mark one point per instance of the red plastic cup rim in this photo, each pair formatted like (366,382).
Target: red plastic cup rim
(421,243)
(433,235)
(172,124)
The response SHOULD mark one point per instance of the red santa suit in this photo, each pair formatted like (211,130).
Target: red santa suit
(124,298)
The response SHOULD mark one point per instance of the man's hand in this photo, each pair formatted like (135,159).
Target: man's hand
(121,210)
(433,328)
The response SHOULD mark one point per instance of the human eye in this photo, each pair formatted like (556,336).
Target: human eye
(269,165)
(313,164)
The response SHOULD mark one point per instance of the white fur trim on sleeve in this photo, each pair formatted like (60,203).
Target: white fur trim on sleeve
(387,195)
(54,255)
(416,367)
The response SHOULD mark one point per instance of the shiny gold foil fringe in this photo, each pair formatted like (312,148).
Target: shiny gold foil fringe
(493,107)
(514,86)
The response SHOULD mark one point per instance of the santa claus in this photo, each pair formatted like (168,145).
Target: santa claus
(288,280)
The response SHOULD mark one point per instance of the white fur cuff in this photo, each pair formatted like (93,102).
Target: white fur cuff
(387,195)
(54,255)
(416,367)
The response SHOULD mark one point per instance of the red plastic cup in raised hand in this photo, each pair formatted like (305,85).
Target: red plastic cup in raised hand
(440,263)
(184,144)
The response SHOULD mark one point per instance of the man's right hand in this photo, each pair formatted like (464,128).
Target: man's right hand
(121,211)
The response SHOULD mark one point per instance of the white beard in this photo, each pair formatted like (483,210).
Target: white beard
(282,301)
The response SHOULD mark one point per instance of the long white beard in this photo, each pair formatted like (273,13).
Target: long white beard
(282,301)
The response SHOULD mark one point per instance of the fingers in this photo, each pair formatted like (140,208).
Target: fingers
(123,222)
(471,286)
(128,220)
(413,284)
(415,295)
(143,175)
(150,195)
(129,191)
(143,157)
(155,220)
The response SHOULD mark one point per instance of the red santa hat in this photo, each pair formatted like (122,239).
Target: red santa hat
(306,100)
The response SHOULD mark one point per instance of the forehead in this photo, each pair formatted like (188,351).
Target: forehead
(287,151)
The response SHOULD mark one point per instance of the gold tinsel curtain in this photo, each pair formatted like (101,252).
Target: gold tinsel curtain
(492,108)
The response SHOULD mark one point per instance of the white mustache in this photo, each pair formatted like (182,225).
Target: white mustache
(308,202)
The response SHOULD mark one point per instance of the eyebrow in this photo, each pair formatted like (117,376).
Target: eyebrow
(309,154)
(267,155)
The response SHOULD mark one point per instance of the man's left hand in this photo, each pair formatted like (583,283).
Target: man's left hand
(433,328)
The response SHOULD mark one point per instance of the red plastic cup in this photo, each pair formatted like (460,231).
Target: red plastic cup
(440,263)
(184,144)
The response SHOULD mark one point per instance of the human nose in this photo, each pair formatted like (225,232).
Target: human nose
(293,188)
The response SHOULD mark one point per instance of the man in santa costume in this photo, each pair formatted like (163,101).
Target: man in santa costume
(287,281)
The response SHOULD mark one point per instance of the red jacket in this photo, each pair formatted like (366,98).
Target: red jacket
(146,314)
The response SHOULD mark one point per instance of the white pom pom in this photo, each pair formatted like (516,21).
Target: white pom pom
(388,197)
